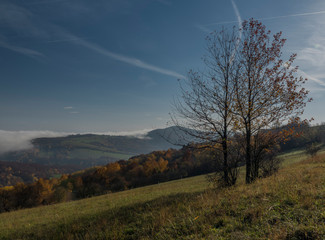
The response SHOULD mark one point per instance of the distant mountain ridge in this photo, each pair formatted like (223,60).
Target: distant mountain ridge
(86,150)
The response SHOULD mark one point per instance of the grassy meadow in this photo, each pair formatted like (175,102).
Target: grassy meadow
(288,205)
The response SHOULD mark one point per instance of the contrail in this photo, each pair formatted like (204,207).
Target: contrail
(267,18)
(239,20)
(129,60)
(316,80)
(26,51)
(237,13)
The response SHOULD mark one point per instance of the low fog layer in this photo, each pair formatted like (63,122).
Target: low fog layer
(142,134)
(21,140)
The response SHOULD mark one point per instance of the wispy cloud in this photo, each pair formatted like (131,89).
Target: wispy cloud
(65,40)
(239,20)
(270,18)
(314,53)
(126,59)
(19,20)
(70,110)
(23,21)
(203,28)
(45,2)
(25,51)
(69,37)
(312,78)
(137,133)
(312,56)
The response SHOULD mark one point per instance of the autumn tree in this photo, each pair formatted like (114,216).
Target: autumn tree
(267,92)
(207,99)
(245,92)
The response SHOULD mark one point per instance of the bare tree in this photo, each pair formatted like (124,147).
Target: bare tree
(247,90)
(207,99)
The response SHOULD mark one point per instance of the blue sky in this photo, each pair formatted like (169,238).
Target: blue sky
(112,65)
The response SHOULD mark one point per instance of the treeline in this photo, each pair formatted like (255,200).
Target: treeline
(153,168)
(12,173)
(305,136)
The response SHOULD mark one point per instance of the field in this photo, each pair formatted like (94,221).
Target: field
(289,205)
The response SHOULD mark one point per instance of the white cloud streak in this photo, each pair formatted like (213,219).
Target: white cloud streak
(137,133)
(315,53)
(20,21)
(239,29)
(239,20)
(271,18)
(312,78)
(312,56)
(65,40)
(126,59)
(25,22)
(203,28)
(25,51)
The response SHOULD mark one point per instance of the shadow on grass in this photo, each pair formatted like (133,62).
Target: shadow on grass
(138,221)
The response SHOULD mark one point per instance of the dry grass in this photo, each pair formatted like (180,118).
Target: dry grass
(288,205)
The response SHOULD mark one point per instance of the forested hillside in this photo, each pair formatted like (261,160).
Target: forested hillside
(156,167)
(12,173)
(92,150)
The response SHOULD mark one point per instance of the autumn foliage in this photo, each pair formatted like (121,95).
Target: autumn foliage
(246,89)
(153,168)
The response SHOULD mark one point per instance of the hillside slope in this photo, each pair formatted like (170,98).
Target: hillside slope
(289,205)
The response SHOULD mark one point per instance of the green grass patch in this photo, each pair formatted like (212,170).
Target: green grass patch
(37,222)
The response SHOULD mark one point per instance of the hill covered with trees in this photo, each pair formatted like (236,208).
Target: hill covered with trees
(156,167)
(91,150)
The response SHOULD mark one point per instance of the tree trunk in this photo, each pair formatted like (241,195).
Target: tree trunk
(256,167)
(248,156)
(225,162)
